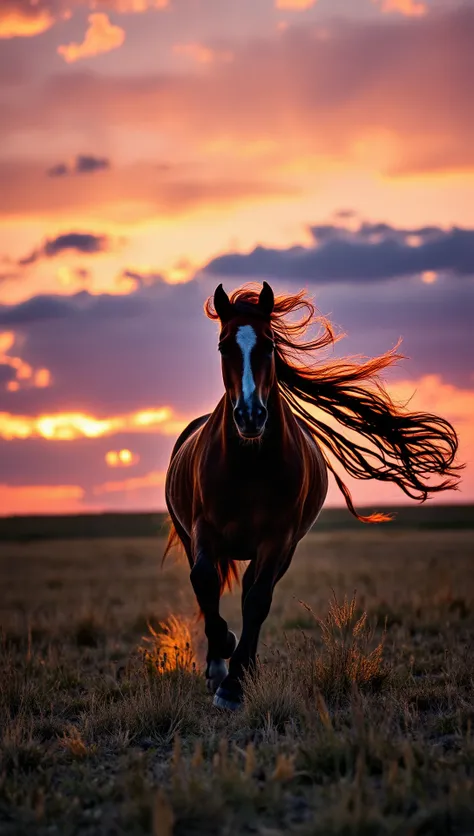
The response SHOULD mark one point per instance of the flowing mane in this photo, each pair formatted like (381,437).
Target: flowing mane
(406,448)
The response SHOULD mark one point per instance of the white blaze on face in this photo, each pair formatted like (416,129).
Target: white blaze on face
(246,339)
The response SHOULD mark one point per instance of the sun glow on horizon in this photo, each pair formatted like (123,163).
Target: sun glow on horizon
(68,426)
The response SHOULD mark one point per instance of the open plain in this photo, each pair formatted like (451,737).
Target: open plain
(360,719)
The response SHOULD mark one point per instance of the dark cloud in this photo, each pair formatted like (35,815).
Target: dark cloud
(370,254)
(59,170)
(117,354)
(84,164)
(80,242)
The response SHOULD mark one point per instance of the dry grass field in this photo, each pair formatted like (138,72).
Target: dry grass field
(349,727)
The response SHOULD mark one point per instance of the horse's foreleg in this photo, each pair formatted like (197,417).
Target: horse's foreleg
(205,581)
(257,593)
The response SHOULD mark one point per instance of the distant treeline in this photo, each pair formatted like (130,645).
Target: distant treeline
(73,527)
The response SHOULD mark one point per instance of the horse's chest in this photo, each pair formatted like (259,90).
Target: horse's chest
(247,500)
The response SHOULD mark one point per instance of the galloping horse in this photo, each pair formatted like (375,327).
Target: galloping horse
(248,481)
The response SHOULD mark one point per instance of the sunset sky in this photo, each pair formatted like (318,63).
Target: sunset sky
(150,149)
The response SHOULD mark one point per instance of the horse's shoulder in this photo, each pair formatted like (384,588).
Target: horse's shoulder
(308,435)
(188,431)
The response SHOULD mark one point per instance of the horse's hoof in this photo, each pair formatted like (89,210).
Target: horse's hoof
(226,699)
(231,644)
(216,672)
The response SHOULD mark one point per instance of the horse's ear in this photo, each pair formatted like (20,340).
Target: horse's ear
(222,304)
(266,300)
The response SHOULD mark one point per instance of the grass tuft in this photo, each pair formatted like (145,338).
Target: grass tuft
(171,647)
(349,657)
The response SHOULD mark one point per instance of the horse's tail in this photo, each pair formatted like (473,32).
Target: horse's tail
(228,573)
(226,567)
(173,540)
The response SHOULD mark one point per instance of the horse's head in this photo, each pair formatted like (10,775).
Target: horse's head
(247,351)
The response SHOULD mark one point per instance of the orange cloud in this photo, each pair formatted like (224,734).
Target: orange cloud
(101,36)
(396,121)
(410,8)
(129,6)
(68,426)
(203,54)
(25,376)
(27,18)
(24,21)
(295,5)
(128,194)
(121,458)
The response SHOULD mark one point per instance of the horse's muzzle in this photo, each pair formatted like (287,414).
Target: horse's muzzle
(250,422)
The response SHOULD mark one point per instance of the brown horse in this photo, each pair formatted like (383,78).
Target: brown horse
(247,481)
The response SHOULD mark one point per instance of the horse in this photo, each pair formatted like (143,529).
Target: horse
(248,481)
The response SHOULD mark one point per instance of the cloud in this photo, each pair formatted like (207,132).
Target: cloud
(393,93)
(100,37)
(203,54)
(115,355)
(410,8)
(295,5)
(83,164)
(22,19)
(80,242)
(127,193)
(371,253)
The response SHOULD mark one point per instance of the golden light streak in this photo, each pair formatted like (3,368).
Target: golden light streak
(71,425)
(150,417)
(101,36)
